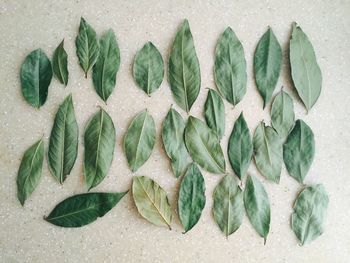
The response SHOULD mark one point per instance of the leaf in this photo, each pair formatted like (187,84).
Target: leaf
(230,67)
(214,113)
(82,209)
(267,64)
(63,145)
(184,71)
(191,197)
(87,46)
(228,206)
(148,69)
(105,70)
(268,152)
(36,75)
(257,206)
(204,147)
(306,73)
(240,147)
(139,140)
(299,151)
(99,141)
(151,201)
(309,213)
(59,64)
(29,172)
(173,141)
(282,114)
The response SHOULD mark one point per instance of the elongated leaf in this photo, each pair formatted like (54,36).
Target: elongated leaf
(306,73)
(191,197)
(99,142)
(268,152)
(148,69)
(240,147)
(309,213)
(29,172)
(299,151)
(63,146)
(228,206)
(36,75)
(257,206)
(139,140)
(59,64)
(282,114)
(203,145)
(105,70)
(184,71)
(230,67)
(151,201)
(87,46)
(82,209)
(173,141)
(214,113)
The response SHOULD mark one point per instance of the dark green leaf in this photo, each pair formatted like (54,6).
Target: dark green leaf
(214,113)
(59,64)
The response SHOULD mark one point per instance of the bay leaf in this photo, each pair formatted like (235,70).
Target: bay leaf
(59,64)
(214,113)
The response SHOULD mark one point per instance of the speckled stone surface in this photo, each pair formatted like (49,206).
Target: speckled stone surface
(122,235)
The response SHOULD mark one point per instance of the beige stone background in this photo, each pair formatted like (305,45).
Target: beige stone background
(122,235)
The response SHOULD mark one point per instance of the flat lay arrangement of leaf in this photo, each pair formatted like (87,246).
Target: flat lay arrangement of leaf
(99,142)
(203,146)
(309,213)
(104,71)
(191,197)
(148,69)
(29,172)
(228,208)
(151,201)
(173,140)
(214,113)
(184,72)
(36,75)
(230,67)
(59,64)
(306,73)
(299,151)
(63,145)
(82,209)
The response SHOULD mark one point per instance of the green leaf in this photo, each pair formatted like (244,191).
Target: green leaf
(139,140)
(29,172)
(184,71)
(82,209)
(228,206)
(257,206)
(105,70)
(268,152)
(299,151)
(282,114)
(99,142)
(59,64)
(63,146)
(230,67)
(203,145)
(87,46)
(267,64)
(148,69)
(214,113)
(240,147)
(306,73)
(173,141)
(151,201)
(191,197)
(36,75)
(309,213)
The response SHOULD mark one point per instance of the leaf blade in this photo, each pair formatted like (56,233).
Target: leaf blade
(60,64)
(214,113)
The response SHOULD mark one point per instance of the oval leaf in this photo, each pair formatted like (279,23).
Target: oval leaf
(184,71)
(151,201)
(214,113)
(59,64)
(36,75)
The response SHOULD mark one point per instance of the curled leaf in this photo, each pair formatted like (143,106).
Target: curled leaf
(214,113)
(59,64)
